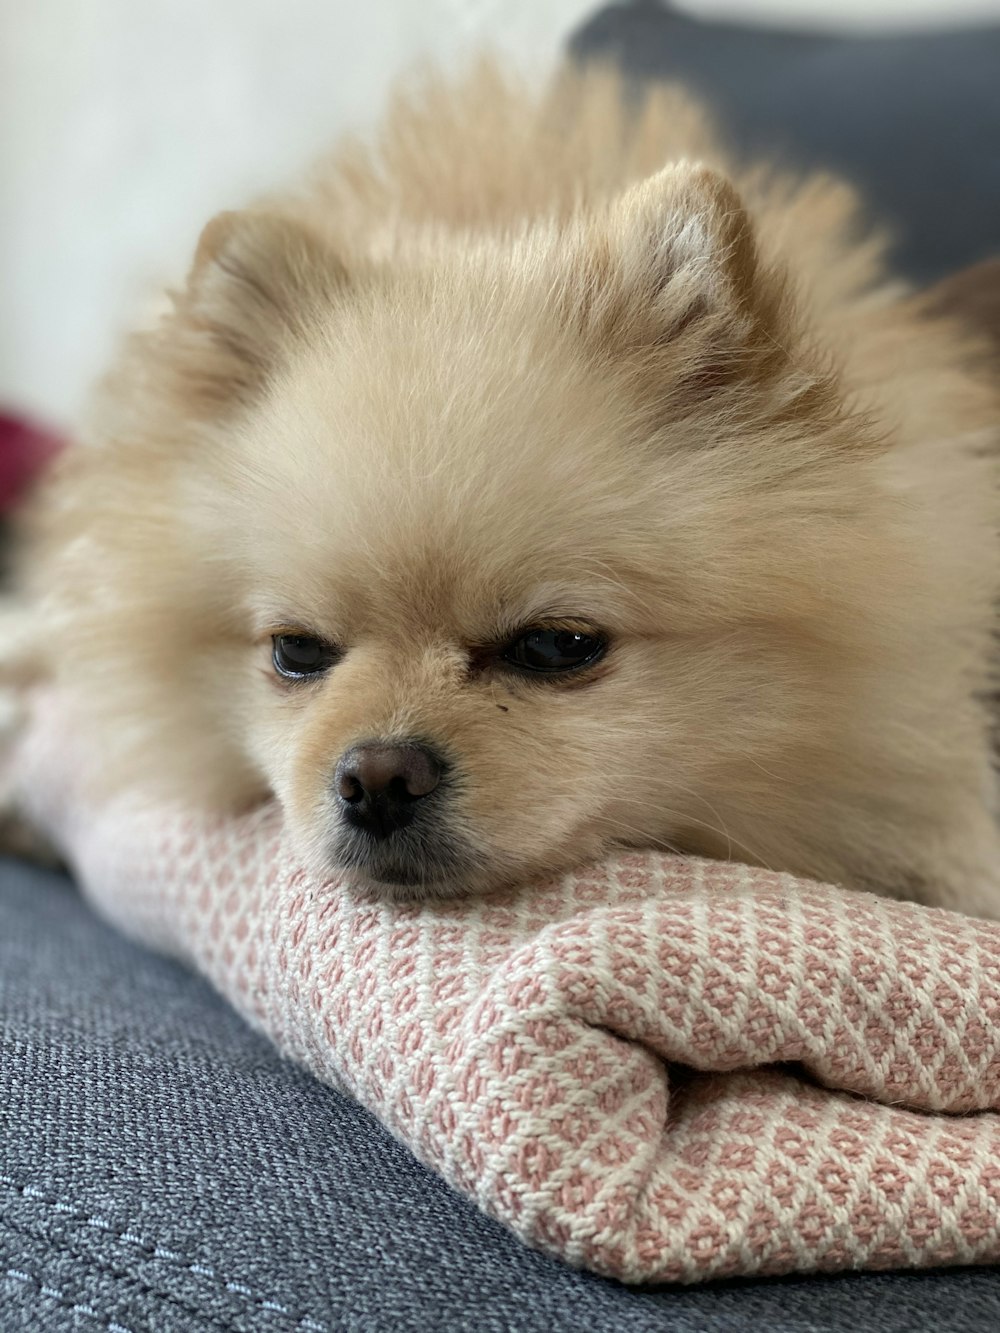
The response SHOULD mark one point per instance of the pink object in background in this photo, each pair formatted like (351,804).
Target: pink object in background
(25,450)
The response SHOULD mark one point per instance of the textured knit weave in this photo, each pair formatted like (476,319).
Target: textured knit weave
(537,1048)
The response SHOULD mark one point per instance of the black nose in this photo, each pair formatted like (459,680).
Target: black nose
(379,783)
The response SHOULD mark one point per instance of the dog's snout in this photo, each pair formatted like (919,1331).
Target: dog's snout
(379,783)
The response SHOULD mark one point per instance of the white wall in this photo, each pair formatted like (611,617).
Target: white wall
(125,123)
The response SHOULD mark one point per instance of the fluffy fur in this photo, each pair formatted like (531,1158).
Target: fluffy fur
(533,361)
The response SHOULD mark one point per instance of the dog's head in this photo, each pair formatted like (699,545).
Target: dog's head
(515,547)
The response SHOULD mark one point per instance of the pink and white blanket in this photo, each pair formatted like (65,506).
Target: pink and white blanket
(659,1069)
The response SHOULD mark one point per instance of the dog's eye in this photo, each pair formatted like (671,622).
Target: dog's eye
(299,655)
(554,650)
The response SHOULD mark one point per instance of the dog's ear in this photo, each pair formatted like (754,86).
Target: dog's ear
(258,283)
(674,264)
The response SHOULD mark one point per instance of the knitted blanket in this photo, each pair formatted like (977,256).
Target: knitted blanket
(659,1069)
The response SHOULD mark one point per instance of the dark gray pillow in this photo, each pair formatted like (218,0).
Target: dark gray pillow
(913,118)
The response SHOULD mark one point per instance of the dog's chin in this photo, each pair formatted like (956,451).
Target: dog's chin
(423,866)
(405,873)
(453,871)
(405,886)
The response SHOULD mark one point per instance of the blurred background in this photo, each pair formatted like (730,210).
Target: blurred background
(124,124)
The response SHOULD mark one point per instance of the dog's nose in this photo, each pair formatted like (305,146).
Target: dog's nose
(379,783)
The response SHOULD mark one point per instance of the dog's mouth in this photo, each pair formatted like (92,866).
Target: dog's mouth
(408,865)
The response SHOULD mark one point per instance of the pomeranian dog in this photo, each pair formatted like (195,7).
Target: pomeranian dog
(534,482)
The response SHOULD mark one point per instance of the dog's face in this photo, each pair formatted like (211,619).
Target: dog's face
(465,602)
(536,545)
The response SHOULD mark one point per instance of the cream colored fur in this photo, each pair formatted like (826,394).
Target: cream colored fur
(518,362)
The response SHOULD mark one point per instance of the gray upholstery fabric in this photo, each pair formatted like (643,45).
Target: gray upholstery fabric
(163,1171)
(912,118)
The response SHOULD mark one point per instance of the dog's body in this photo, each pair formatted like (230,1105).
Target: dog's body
(510,493)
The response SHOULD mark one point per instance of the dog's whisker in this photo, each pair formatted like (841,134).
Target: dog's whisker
(720,829)
(662,844)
